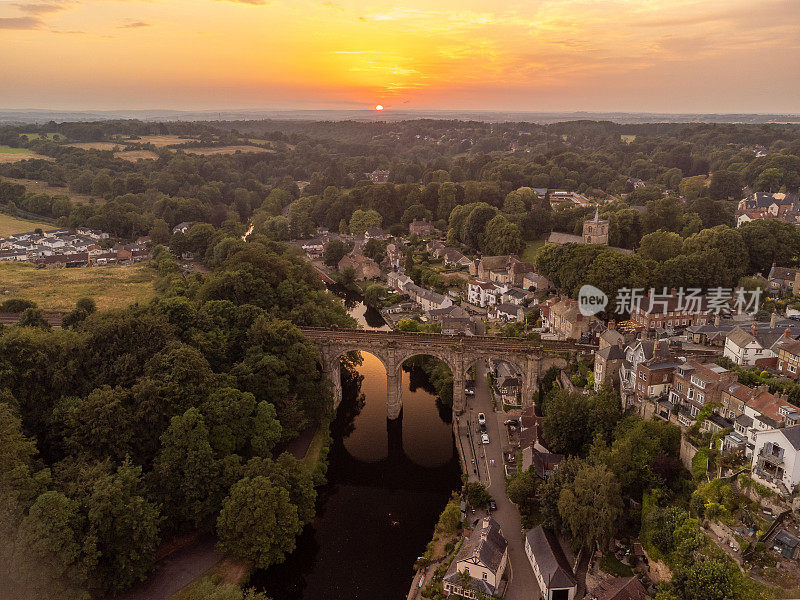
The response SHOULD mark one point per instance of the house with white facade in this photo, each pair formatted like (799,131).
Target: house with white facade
(776,459)
(754,346)
(484,293)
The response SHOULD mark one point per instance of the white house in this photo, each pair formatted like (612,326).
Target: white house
(552,570)
(483,293)
(483,556)
(745,348)
(776,458)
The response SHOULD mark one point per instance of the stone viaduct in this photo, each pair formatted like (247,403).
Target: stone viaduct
(392,348)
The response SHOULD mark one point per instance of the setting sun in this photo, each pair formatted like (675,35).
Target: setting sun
(378,107)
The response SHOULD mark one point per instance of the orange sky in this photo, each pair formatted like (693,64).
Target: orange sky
(549,55)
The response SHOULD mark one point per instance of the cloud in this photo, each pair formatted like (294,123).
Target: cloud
(20,23)
(134,25)
(41,8)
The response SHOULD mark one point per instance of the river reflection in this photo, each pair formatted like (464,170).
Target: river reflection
(387,483)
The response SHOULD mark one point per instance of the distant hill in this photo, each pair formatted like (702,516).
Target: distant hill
(44,115)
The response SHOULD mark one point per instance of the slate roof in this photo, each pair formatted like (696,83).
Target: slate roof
(547,552)
(792,435)
(612,353)
(618,588)
(486,544)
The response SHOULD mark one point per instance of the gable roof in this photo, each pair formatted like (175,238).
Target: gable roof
(486,544)
(549,556)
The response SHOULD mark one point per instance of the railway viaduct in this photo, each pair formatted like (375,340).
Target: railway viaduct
(392,348)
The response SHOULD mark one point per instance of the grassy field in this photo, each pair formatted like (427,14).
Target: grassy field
(59,289)
(528,255)
(9,154)
(627,138)
(96,145)
(134,155)
(10,225)
(41,187)
(160,141)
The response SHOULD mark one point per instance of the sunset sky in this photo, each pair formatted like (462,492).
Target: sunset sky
(538,55)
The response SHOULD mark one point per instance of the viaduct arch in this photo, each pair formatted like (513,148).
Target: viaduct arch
(392,348)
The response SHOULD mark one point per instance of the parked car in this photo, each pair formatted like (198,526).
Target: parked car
(481,418)
(511,422)
(469,391)
(492,504)
(485,438)
(483,428)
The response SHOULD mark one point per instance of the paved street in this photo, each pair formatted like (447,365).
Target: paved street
(523,585)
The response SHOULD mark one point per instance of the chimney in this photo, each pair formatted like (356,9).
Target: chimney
(773,320)
(754,328)
(787,332)
(716,320)
(612,324)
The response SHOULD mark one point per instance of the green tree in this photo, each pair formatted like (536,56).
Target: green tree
(502,237)
(566,428)
(660,245)
(54,555)
(258,522)
(188,473)
(335,250)
(361,220)
(591,506)
(126,526)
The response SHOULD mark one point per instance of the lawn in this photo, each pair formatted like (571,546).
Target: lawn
(58,289)
(10,225)
(10,150)
(613,566)
(532,249)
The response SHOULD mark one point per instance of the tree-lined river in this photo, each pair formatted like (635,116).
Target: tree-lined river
(387,484)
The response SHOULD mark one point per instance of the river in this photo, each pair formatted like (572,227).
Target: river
(387,484)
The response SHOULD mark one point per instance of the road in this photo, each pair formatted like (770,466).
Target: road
(175,572)
(523,585)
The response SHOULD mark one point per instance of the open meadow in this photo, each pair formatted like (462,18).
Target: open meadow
(10,225)
(134,155)
(41,187)
(9,154)
(114,286)
(96,145)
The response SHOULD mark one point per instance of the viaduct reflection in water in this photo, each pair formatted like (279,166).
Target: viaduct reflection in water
(387,483)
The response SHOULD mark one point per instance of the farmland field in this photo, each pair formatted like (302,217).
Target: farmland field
(10,225)
(96,145)
(159,141)
(58,289)
(134,155)
(41,187)
(9,155)
(225,150)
